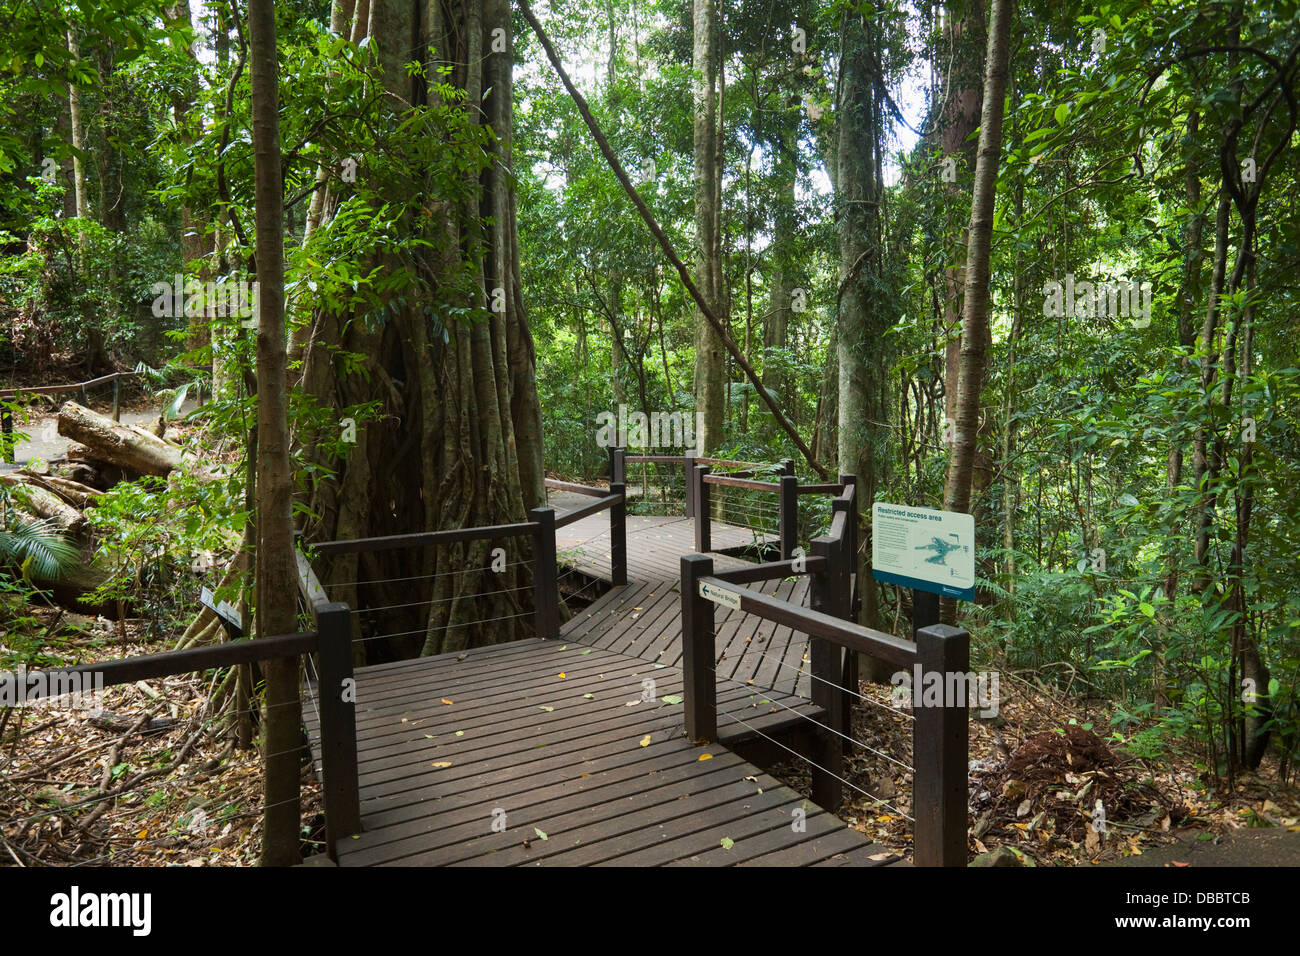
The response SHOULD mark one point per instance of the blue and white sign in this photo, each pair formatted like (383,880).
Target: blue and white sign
(924,549)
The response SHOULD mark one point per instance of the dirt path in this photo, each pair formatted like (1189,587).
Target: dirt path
(1247,847)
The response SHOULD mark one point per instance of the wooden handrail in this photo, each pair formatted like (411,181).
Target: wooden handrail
(749,483)
(726,463)
(772,570)
(62,389)
(569,517)
(423,539)
(847,634)
(128,670)
(556,485)
(654,459)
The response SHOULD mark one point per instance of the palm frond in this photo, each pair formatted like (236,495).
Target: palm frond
(39,547)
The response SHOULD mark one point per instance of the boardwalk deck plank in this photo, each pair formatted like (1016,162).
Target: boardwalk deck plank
(610,778)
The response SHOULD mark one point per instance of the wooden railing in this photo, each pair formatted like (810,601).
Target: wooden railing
(614,499)
(332,646)
(940,732)
(6,417)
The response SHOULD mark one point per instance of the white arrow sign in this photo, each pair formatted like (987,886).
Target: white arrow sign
(717,595)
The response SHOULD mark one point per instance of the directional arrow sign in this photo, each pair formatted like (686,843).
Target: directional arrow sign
(231,619)
(924,549)
(717,595)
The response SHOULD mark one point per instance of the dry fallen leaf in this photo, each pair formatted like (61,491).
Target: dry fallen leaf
(645,741)
(441,763)
(446,701)
(706,756)
(561,674)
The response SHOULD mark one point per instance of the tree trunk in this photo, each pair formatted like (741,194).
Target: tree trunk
(458,438)
(975,303)
(276,568)
(710,359)
(962,28)
(78,144)
(861,355)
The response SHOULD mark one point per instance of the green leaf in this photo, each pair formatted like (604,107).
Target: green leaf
(1147,609)
(728,843)
(540,834)
(545,708)
(671,699)
(1062,113)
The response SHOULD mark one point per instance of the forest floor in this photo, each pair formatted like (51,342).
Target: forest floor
(1037,772)
(152,779)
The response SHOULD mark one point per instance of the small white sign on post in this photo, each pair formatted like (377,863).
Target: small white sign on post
(723,596)
(924,549)
(229,614)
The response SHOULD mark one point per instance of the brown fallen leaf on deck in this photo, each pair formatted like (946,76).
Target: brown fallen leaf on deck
(446,701)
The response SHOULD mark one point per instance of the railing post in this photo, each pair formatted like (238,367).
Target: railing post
(853,582)
(703,531)
(337,694)
(701,693)
(789,515)
(940,750)
(117,399)
(545,594)
(617,465)
(825,670)
(618,535)
(688,479)
(852,528)
(787,466)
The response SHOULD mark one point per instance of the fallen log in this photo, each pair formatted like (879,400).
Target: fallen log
(73,492)
(99,475)
(125,445)
(44,503)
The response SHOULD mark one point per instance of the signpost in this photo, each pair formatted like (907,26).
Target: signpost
(230,617)
(931,552)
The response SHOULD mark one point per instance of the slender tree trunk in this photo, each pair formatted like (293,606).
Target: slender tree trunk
(862,356)
(78,144)
(975,317)
(276,570)
(710,358)
(962,29)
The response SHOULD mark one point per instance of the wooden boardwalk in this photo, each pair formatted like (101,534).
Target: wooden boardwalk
(644,620)
(554,736)
(468,759)
(655,543)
